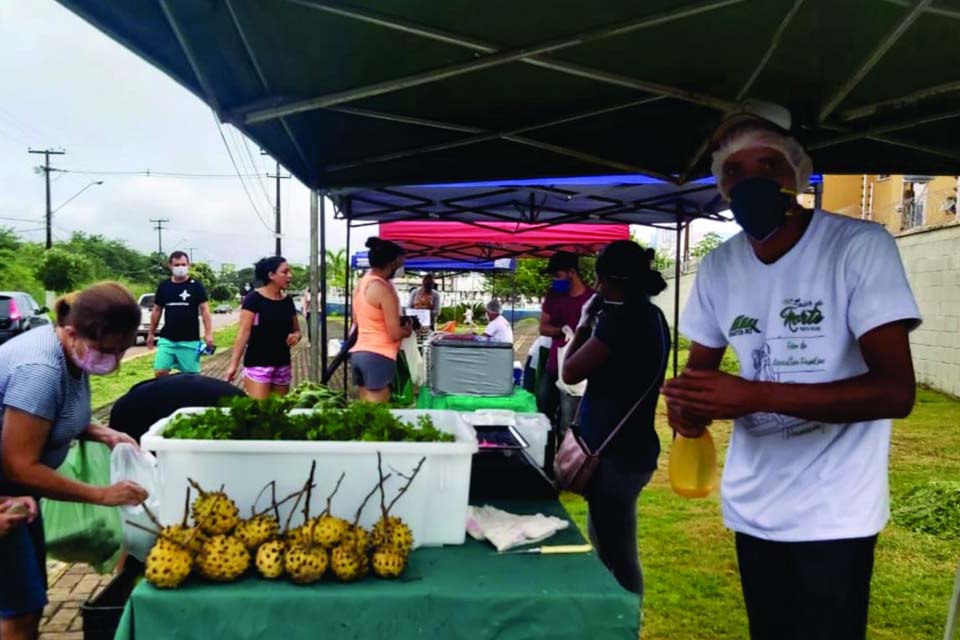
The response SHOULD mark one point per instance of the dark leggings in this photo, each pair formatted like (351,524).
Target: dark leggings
(806,590)
(612,521)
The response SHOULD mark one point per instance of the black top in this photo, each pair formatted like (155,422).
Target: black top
(157,398)
(180,302)
(637,358)
(272,323)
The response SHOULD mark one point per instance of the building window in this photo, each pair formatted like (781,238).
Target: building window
(883,178)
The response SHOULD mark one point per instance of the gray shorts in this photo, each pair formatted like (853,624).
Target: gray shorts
(372,370)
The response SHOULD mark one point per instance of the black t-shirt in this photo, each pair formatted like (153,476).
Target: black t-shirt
(272,323)
(157,398)
(181,307)
(637,358)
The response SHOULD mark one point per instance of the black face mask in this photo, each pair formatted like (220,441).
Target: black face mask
(428,287)
(760,206)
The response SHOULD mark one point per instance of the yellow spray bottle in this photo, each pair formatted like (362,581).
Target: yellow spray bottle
(693,465)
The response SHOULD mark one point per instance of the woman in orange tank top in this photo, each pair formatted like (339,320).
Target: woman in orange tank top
(376,314)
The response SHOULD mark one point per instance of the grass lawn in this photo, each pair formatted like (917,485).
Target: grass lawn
(106,389)
(690,570)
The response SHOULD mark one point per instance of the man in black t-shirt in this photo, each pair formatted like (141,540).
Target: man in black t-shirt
(181,299)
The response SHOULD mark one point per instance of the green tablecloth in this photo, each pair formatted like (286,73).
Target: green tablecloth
(450,592)
(521,401)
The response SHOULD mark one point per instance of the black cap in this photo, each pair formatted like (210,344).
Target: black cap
(562,261)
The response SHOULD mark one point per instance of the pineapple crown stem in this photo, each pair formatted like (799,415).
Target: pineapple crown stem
(151,515)
(404,488)
(326,511)
(253,508)
(276,504)
(186,508)
(356,519)
(306,506)
(383,480)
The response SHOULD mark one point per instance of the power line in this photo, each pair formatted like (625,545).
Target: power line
(237,169)
(150,173)
(253,165)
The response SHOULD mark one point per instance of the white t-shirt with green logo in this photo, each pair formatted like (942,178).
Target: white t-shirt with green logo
(798,320)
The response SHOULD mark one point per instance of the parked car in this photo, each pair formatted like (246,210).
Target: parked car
(146,309)
(19,312)
(223,308)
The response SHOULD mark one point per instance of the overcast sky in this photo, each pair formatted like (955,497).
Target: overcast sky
(66,85)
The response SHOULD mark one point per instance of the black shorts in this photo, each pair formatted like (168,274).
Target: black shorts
(372,371)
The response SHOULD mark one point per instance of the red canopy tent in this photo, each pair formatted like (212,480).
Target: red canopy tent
(494,240)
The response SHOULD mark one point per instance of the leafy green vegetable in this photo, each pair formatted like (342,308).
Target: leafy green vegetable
(244,418)
(932,508)
(309,395)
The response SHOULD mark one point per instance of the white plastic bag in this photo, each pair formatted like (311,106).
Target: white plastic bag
(414,360)
(570,389)
(128,462)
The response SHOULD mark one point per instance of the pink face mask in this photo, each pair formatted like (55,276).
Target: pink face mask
(96,363)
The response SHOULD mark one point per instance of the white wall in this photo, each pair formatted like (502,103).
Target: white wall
(932,262)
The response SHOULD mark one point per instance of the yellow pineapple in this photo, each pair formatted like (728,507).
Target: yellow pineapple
(168,564)
(223,559)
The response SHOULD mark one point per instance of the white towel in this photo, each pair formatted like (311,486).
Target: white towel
(508,530)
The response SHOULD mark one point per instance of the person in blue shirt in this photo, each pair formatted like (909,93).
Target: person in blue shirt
(44,406)
(620,349)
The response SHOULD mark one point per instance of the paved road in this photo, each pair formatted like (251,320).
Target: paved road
(220,320)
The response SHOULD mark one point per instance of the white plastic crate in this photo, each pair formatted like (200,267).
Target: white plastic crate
(435,506)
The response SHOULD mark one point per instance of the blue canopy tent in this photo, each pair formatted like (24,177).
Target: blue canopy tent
(533,205)
(359,260)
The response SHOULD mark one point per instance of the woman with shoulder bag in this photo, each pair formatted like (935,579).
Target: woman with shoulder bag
(620,348)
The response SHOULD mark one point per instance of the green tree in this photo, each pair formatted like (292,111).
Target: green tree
(707,244)
(223,293)
(111,259)
(202,272)
(61,270)
(337,269)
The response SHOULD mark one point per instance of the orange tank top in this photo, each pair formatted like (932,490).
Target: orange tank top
(372,333)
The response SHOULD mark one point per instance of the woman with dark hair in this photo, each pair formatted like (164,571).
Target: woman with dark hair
(44,405)
(268,329)
(376,314)
(620,348)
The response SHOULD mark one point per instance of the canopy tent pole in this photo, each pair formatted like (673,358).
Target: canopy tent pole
(676,299)
(346,304)
(323,279)
(313,365)
(513,298)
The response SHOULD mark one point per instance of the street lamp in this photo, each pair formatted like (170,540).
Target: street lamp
(93,183)
(50,211)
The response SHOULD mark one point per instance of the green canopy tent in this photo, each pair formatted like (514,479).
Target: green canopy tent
(371,94)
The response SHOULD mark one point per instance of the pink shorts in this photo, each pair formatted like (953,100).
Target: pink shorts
(277,376)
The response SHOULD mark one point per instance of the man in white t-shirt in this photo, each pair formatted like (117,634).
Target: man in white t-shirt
(817,308)
(498,329)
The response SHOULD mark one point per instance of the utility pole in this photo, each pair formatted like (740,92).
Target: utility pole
(276,208)
(190,251)
(159,229)
(46,174)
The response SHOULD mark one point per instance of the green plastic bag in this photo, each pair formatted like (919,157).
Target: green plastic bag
(78,531)
(402,392)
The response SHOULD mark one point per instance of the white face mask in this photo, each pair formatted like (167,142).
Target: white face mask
(180,272)
(399,273)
